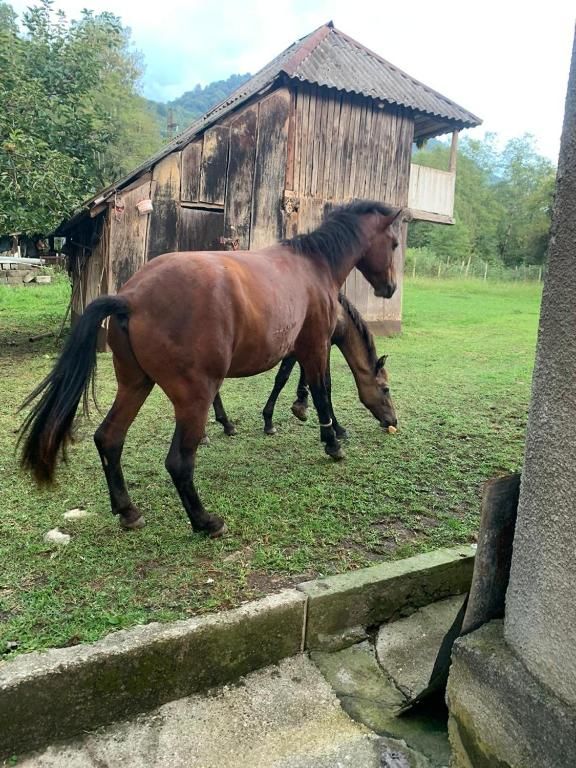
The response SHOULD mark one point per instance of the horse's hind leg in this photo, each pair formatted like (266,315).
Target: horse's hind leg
(190,424)
(300,405)
(109,439)
(282,377)
(222,417)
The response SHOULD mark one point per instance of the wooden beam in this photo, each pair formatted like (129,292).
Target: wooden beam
(438,218)
(453,152)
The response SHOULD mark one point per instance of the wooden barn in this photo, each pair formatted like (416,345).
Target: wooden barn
(325,122)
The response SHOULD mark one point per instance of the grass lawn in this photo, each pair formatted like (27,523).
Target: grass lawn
(460,376)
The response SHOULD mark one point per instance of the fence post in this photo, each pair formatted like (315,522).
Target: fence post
(485,270)
(468,265)
(414,268)
(540,275)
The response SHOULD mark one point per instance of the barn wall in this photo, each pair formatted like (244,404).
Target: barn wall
(347,147)
(163,225)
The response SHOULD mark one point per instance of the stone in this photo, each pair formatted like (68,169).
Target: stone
(501,716)
(407,648)
(28,277)
(370,596)
(56,536)
(56,694)
(76,514)
(43,279)
(369,696)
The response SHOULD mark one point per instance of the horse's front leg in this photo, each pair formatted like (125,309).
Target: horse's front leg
(282,377)
(190,424)
(315,370)
(338,428)
(300,405)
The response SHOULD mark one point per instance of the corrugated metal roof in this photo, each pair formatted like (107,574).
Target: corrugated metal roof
(329,58)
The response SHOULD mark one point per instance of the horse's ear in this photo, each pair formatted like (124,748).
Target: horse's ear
(381,362)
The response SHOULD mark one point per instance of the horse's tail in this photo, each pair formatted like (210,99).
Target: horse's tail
(48,426)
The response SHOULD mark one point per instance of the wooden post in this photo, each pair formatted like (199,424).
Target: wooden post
(414,268)
(485,270)
(453,153)
(468,265)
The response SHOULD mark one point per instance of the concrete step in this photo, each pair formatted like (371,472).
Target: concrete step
(407,648)
(285,716)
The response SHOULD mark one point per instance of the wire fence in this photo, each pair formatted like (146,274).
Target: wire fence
(422,262)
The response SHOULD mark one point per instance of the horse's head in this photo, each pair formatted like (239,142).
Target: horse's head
(377,262)
(377,396)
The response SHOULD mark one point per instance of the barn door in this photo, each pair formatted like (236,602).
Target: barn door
(200,230)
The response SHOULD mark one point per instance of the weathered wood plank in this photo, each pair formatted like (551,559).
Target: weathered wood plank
(331,156)
(270,169)
(291,140)
(301,111)
(323,171)
(310,140)
(237,210)
(214,164)
(343,148)
(200,230)
(127,239)
(191,161)
(163,224)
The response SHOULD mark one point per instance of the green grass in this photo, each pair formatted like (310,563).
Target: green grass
(460,375)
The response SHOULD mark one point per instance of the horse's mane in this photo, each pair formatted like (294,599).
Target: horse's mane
(339,233)
(361,327)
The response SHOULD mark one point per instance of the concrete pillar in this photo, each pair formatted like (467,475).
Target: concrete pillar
(540,623)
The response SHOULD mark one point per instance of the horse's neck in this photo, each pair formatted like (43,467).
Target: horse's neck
(357,355)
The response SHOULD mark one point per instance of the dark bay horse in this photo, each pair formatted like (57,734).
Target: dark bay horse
(187,321)
(354,339)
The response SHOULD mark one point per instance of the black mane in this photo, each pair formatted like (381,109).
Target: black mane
(361,327)
(339,233)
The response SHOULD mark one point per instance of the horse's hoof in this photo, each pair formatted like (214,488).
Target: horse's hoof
(132,525)
(205,440)
(231,431)
(300,411)
(335,453)
(271,431)
(220,532)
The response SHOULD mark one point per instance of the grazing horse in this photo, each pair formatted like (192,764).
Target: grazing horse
(186,321)
(352,336)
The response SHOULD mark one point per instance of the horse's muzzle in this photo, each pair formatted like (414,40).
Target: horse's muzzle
(386,292)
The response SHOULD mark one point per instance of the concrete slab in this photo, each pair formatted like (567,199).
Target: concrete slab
(340,608)
(370,697)
(407,648)
(59,693)
(285,716)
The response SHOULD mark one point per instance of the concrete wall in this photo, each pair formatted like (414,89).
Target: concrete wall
(541,608)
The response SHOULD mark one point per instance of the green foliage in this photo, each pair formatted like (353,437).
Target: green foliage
(502,205)
(193,104)
(72,120)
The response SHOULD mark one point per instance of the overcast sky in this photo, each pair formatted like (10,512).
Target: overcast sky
(506,61)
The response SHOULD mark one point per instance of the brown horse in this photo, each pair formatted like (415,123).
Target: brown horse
(186,321)
(352,336)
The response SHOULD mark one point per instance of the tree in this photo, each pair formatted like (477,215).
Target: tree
(64,131)
(503,202)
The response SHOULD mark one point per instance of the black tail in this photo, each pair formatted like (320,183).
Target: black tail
(48,426)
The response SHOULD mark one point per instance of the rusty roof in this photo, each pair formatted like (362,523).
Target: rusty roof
(330,58)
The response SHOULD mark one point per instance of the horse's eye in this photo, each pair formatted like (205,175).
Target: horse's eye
(395,245)
(386,390)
